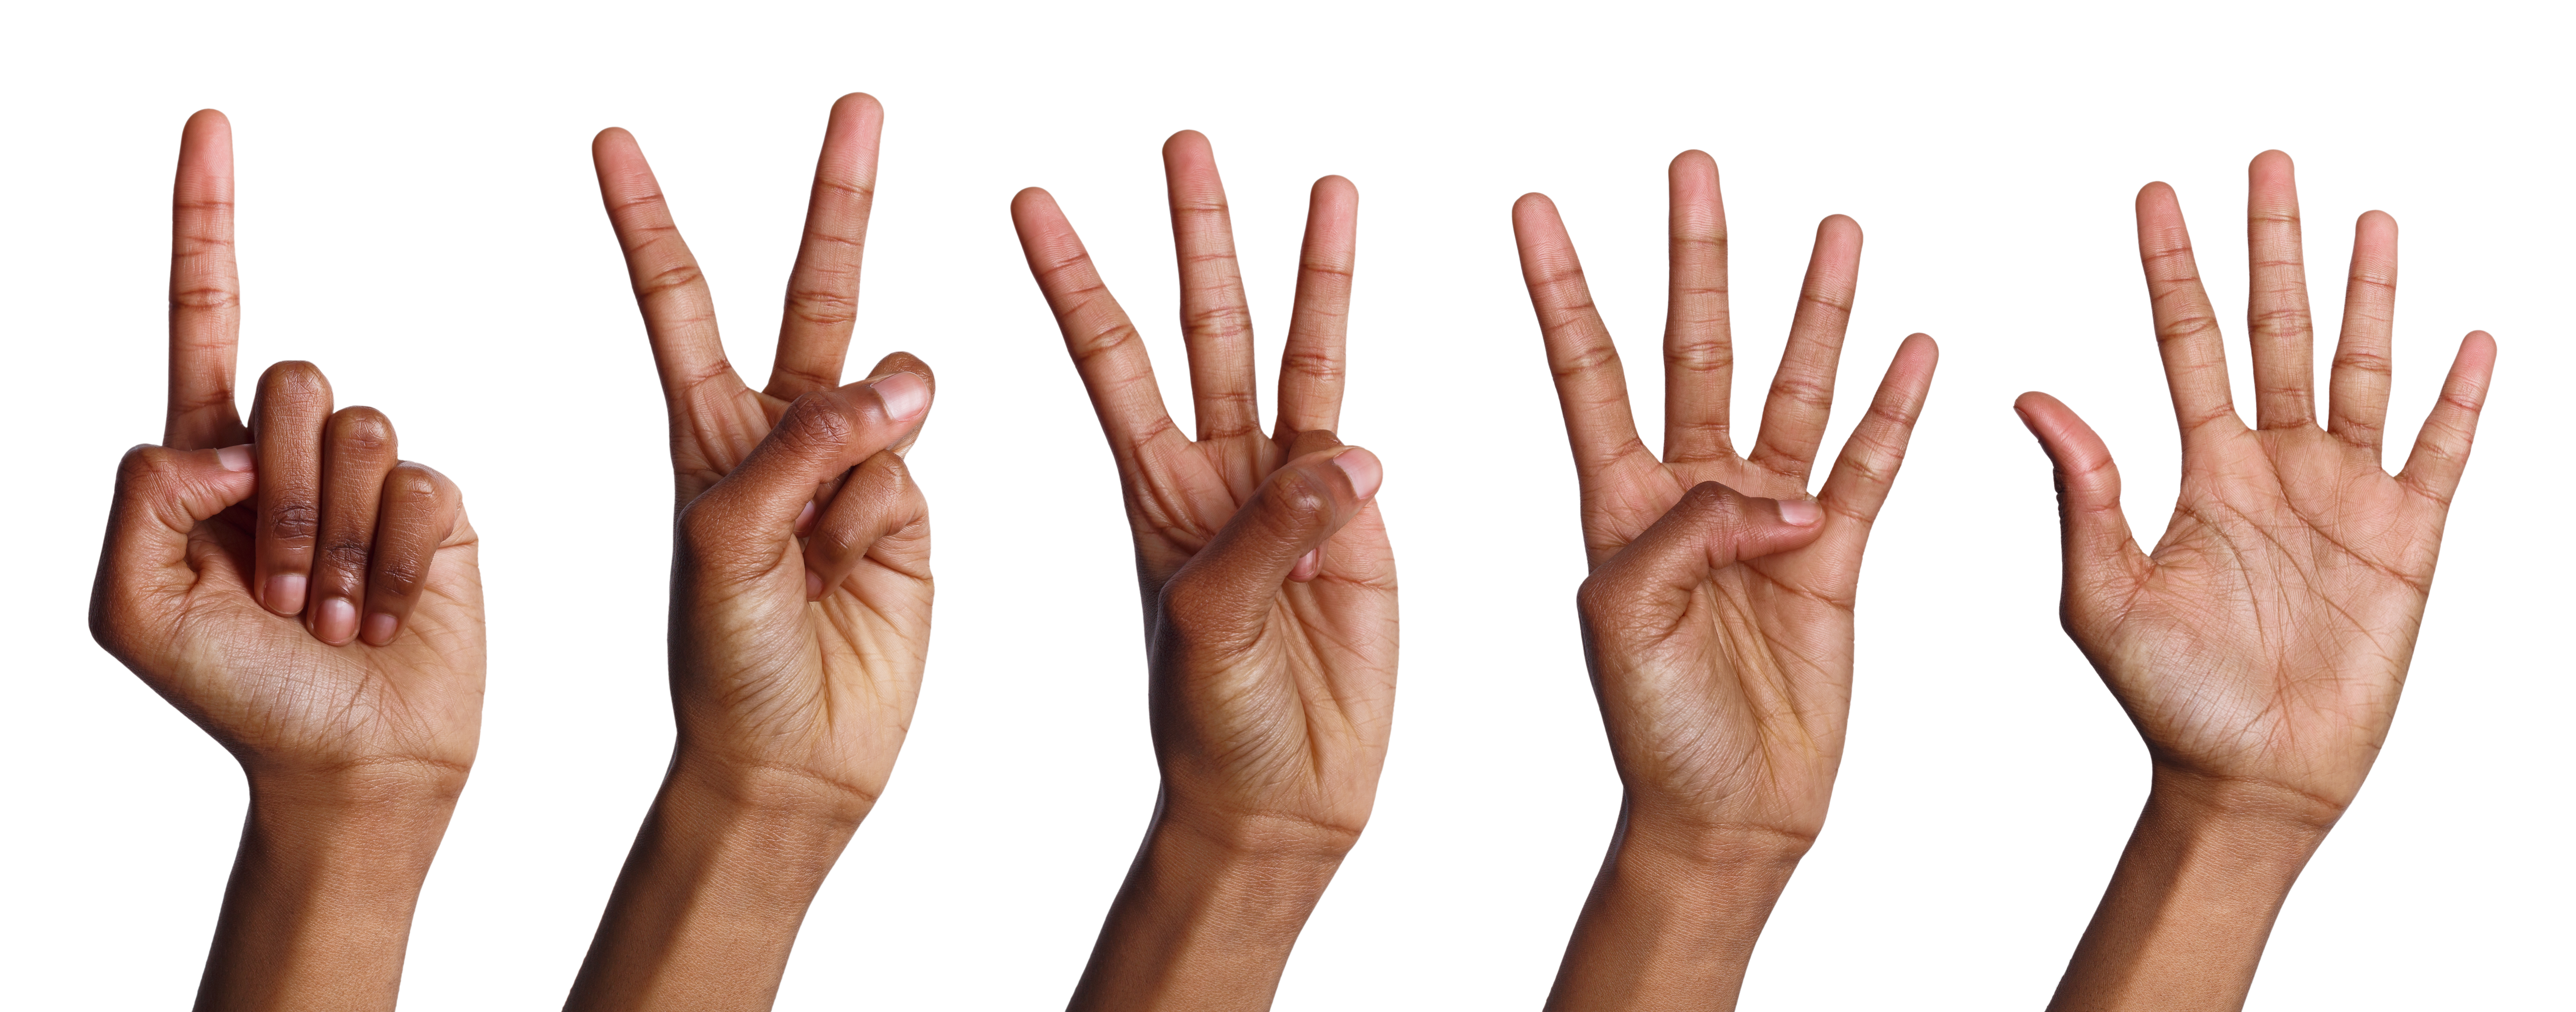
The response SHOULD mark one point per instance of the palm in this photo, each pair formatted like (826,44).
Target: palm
(268,688)
(825,685)
(1733,707)
(2268,635)
(2293,549)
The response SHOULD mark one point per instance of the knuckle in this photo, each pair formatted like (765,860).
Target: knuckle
(347,555)
(292,521)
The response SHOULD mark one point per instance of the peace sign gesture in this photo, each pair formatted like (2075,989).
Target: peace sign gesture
(1718,616)
(800,596)
(314,603)
(1269,593)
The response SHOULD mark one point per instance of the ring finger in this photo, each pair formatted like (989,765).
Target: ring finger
(357,453)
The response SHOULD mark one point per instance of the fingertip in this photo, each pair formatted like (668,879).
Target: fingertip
(1801,512)
(1694,159)
(1533,203)
(1838,223)
(1184,141)
(1363,469)
(2376,221)
(283,594)
(379,629)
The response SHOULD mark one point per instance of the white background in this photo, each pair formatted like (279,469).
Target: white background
(418,216)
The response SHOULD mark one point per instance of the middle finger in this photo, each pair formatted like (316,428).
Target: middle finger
(286,435)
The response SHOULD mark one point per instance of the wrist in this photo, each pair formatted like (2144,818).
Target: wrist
(2252,811)
(717,785)
(1210,910)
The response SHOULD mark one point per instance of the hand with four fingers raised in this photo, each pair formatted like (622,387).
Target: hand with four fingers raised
(1718,617)
(800,598)
(2261,646)
(1269,593)
(313,602)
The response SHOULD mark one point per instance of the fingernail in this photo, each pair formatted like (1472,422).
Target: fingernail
(380,629)
(335,621)
(813,586)
(1308,566)
(1363,469)
(805,519)
(284,594)
(235,458)
(1801,512)
(904,394)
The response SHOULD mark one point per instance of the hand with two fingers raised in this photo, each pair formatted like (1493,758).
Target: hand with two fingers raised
(1269,595)
(2260,648)
(1718,615)
(800,597)
(313,602)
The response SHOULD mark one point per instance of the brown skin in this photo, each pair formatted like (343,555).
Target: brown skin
(1718,617)
(1269,592)
(353,694)
(2261,647)
(800,599)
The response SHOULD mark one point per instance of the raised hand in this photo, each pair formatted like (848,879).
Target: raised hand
(2261,647)
(1718,617)
(313,602)
(800,598)
(1269,594)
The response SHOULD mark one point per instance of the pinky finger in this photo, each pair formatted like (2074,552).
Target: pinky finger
(414,518)
(2442,450)
(879,511)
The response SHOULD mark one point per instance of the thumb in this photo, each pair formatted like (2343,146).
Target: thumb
(759,505)
(2095,532)
(1224,594)
(1711,528)
(161,495)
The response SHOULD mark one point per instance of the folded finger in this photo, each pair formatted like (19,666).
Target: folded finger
(287,420)
(358,450)
(415,513)
(821,436)
(1221,600)
(879,511)
(1647,586)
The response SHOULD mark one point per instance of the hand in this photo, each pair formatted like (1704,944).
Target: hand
(312,602)
(2261,648)
(800,597)
(1718,616)
(1269,593)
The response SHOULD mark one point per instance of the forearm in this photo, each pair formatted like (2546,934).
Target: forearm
(2186,916)
(318,911)
(1208,915)
(708,906)
(1672,920)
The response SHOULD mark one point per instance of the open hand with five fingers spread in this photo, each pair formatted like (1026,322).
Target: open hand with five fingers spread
(313,602)
(1269,593)
(1718,617)
(800,598)
(2261,646)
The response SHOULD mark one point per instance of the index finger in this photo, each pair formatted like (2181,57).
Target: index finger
(1590,386)
(205,291)
(679,313)
(2186,327)
(1106,348)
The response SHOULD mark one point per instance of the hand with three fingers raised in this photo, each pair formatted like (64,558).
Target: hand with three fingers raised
(2261,646)
(800,598)
(313,602)
(1717,619)
(1269,593)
